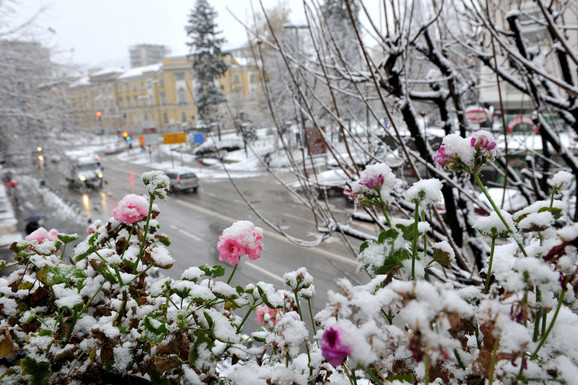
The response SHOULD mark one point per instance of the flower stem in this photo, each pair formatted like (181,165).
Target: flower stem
(311,315)
(414,241)
(493,361)
(232,274)
(497,210)
(545,336)
(489,274)
(146,230)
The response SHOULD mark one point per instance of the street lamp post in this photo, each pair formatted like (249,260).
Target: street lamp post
(300,116)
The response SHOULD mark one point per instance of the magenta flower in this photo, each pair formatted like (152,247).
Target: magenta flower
(442,157)
(374,185)
(242,238)
(466,154)
(481,142)
(332,348)
(132,208)
(265,314)
(41,234)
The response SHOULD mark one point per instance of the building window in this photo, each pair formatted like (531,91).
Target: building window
(183,117)
(149,84)
(135,101)
(181,96)
(134,86)
(161,83)
(151,101)
(180,76)
(163,99)
(127,102)
(126,87)
(146,117)
(236,79)
(165,118)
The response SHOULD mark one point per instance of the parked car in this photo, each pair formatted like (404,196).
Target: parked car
(183,179)
(331,183)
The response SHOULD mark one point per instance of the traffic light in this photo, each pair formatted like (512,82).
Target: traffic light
(126,135)
(99,114)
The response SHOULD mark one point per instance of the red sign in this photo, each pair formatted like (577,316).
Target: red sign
(315,143)
(521,120)
(477,115)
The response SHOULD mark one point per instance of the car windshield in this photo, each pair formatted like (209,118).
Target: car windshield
(88,167)
(189,175)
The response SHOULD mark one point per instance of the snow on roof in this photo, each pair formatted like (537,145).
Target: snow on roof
(108,71)
(83,81)
(139,71)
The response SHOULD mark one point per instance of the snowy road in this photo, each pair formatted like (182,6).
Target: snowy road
(195,221)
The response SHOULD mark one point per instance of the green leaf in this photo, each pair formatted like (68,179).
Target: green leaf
(363,246)
(215,271)
(209,320)
(25,285)
(38,371)
(154,330)
(106,274)
(390,234)
(265,299)
(66,238)
(67,274)
(91,249)
(157,379)
(164,240)
(409,232)
(393,260)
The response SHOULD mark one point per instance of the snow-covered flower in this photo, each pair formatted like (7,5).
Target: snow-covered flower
(241,238)
(42,234)
(466,154)
(425,192)
(264,314)
(373,188)
(132,208)
(561,180)
(156,182)
(332,346)
(493,226)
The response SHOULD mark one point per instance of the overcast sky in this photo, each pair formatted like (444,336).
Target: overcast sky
(95,33)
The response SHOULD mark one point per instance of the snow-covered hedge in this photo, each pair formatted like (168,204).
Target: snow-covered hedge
(98,314)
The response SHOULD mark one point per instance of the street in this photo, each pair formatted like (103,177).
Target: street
(195,221)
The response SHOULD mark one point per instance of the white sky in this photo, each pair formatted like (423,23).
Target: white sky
(95,33)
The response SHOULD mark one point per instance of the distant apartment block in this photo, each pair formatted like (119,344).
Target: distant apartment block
(147,54)
(161,96)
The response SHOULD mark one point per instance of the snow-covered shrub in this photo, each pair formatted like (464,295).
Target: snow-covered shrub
(100,314)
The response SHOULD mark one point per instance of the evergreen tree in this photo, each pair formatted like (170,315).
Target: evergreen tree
(207,57)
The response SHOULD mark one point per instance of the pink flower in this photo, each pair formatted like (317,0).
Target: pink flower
(132,208)
(241,238)
(230,249)
(374,185)
(266,314)
(332,348)
(41,234)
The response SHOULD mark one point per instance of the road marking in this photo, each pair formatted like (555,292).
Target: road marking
(198,239)
(267,233)
(266,272)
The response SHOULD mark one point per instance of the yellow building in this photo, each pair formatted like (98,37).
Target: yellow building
(160,96)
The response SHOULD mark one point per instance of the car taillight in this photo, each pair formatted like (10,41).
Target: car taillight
(179,179)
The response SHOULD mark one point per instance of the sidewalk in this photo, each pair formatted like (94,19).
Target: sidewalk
(8,226)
